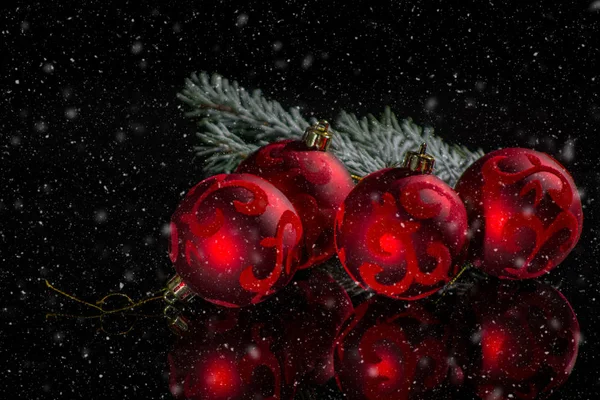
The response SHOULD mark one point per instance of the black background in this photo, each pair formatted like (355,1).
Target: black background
(96,153)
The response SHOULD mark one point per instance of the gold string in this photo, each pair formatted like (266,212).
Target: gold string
(129,307)
(60,315)
(466,267)
(104,312)
(73,297)
(445,288)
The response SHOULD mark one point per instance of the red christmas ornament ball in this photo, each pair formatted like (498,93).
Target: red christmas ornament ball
(235,239)
(316,183)
(388,350)
(514,340)
(524,212)
(401,233)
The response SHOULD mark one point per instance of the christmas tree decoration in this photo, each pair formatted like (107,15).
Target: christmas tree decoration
(524,212)
(312,178)
(390,350)
(234,241)
(514,340)
(402,231)
(237,363)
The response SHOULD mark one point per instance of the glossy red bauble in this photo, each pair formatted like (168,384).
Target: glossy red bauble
(524,212)
(316,183)
(401,233)
(387,350)
(514,340)
(235,239)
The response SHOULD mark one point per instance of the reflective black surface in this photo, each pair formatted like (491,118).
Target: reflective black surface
(96,153)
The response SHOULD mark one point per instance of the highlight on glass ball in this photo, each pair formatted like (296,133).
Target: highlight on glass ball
(235,240)
(402,232)
(313,179)
(514,340)
(524,211)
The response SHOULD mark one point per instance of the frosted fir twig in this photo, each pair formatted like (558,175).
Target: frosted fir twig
(234,122)
(223,149)
(383,142)
(214,99)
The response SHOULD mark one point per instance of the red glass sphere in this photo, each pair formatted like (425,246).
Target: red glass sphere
(316,183)
(235,239)
(388,350)
(524,212)
(514,340)
(401,233)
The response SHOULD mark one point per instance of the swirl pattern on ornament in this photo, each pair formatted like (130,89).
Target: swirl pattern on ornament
(518,203)
(300,163)
(316,183)
(235,239)
(398,235)
(262,287)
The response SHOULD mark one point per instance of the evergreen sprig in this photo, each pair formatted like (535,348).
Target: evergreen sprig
(233,122)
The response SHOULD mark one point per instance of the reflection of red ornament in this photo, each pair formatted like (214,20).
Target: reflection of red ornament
(515,341)
(387,353)
(235,364)
(402,231)
(524,212)
(316,308)
(313,179)
(235,239)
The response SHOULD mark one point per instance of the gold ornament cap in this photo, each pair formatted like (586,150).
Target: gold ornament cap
(419,162)
(318,136)
(177,290)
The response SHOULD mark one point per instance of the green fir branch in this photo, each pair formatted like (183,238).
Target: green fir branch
(234,122)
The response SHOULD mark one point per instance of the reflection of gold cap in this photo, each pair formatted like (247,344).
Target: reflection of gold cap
(178,323)
(177,291)
(318,136)
(419,162)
